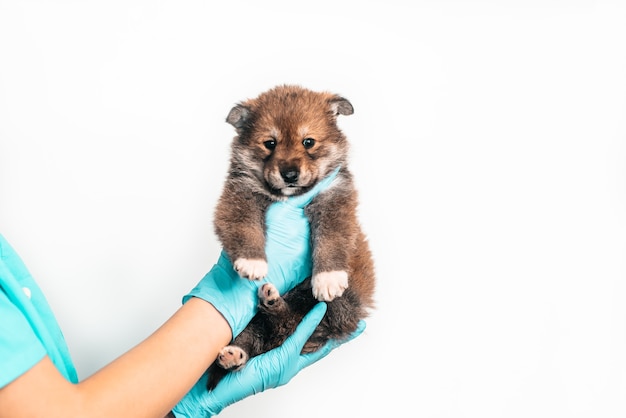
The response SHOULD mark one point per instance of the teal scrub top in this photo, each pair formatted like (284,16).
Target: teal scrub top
(28,329)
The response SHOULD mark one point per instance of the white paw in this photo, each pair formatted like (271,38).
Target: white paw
(253,269)
(329,285)
(232,357)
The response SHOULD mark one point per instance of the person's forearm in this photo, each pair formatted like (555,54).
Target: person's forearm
(147,381)
(151,378)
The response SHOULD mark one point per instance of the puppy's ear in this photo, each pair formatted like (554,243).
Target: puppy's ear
(238,116)
(341,106)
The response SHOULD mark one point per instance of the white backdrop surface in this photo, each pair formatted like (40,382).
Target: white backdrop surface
(488,144)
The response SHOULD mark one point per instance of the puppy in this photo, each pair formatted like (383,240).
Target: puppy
(287,141)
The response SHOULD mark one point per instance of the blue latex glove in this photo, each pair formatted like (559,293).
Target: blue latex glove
(269,370)
(288,252)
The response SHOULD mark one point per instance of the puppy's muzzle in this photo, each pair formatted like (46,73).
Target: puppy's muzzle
(290,175)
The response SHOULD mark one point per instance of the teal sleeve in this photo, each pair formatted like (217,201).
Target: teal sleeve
(20,349)
(28,328)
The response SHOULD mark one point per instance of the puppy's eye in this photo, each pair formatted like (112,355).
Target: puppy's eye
(270,144)
(308,143)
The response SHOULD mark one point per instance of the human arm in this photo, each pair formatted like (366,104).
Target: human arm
(146,381)
(149,379)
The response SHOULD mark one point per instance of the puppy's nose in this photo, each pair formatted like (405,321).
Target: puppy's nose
(290,175)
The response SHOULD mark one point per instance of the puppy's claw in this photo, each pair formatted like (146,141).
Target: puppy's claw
(329,285)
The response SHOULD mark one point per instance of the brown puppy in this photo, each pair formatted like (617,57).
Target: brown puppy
(287,141)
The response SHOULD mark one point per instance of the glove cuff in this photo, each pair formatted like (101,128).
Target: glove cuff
(220,286)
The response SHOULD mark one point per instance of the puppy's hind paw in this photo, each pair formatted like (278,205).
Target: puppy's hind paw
(232,357)
(253,269)
(268,295)
(329,285)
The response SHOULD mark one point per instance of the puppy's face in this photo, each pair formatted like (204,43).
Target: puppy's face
(288,138)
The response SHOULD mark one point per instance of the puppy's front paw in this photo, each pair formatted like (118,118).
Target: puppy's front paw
(232,357)
(253,269)
(329,285)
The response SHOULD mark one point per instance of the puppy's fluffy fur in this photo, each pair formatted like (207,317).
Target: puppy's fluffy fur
(287,141)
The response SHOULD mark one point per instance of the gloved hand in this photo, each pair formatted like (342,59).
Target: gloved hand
(288,251)
(269,370)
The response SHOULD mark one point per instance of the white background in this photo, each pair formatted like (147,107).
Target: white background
(488,144)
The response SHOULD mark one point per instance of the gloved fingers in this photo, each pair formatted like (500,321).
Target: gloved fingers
(310,358)
(304,199)
(290,350)
(270,369)
(306,327)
